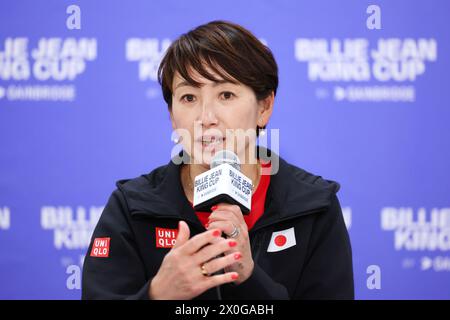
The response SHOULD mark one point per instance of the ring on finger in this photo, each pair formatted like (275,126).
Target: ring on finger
(235,232)
(203,270)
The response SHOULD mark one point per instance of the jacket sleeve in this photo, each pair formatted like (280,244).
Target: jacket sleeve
(121,275)
(328,270)
(259,286)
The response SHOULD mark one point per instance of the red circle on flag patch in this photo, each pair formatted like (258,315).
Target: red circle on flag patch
(280,240)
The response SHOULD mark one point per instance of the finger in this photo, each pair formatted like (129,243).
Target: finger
(220,279)
(221,214)
(226,227)
(234,209)
(230,223)
(209,252)
(183,234)
(222,262)
(200,240)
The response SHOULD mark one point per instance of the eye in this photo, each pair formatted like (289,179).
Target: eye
(227,95)
(188,98)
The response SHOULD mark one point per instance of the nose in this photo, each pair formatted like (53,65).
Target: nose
(208,116)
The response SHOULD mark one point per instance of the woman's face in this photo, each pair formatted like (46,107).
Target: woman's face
(215,116)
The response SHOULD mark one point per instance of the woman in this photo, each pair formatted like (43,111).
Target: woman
(219,81)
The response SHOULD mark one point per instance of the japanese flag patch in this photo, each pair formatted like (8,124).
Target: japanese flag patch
(282,240)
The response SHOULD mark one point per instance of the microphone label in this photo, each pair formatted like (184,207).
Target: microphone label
(223,180)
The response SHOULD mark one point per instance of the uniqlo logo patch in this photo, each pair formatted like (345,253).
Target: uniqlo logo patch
(282,240)
(100,248)
(165,238)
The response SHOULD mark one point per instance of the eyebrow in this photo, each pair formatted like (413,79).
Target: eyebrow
(215,84)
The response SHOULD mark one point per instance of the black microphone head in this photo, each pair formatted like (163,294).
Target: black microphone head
(226,156)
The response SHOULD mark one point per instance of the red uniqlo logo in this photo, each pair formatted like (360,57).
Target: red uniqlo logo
(100,248)
(165,238)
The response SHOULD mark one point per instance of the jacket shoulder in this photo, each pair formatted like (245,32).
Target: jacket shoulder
(312,180)
(144,181)
(149,192)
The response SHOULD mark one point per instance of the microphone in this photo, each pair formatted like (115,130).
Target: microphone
(224,182)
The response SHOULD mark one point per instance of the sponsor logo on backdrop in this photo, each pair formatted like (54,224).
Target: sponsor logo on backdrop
(46,70)
(438,263)
(147,52)
(365,71)
(72,227)
(422,230)
(5,218)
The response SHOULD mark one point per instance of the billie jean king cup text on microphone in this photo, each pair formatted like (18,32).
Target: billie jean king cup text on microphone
(223,183)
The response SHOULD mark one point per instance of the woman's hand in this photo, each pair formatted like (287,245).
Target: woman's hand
(180,274)
(227,217)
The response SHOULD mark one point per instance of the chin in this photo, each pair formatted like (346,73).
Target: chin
(202,158)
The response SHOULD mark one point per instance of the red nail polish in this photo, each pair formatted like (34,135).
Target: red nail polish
(217,233)
(213,208)
(234,276)
(232,243)
(237,256)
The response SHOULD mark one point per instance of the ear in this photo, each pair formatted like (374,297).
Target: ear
(265,110)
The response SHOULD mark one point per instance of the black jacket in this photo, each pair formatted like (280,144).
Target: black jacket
(319,266)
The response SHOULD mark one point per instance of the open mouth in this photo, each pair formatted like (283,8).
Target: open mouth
(211,141)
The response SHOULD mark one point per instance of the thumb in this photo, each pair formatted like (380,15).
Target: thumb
(183,234)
